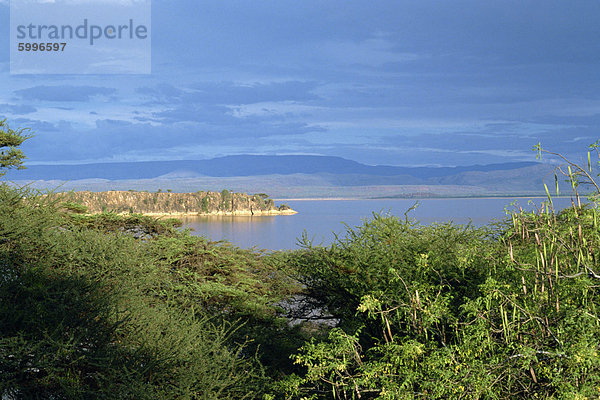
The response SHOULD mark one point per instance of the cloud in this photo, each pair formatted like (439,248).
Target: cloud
(370,52)
(65,93)
(111,123)
(205,114)
(161,93)
(17,109)
(273,109)
(380,82)
(42,127)
(230,93)
(592,120)
(511,140)
(115,139)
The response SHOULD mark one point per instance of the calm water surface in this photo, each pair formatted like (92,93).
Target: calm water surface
(322,218)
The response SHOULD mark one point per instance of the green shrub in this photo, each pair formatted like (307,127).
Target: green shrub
(204,204)
(73,207)
(88,311)
(448,311)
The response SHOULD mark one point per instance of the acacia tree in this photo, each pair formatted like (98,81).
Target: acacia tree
(10,155)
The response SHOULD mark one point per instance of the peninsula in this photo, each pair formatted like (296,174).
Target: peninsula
(175,204)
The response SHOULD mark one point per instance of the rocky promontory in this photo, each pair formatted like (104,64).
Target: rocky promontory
(167,203)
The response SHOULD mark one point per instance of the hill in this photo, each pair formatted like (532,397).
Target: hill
(245,165)
(293,177)
(199,203)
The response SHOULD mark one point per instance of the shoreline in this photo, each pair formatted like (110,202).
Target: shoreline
(241,213)
(169,204)
(539,196)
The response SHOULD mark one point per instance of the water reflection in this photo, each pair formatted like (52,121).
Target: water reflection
(244,231)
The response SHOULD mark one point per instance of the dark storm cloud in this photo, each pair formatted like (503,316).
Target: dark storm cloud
(403,82)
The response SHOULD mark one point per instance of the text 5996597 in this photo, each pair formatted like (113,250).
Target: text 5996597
(49,46)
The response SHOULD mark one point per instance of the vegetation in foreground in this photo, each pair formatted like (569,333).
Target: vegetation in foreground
(109,306)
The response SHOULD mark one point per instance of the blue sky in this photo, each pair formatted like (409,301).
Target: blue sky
(380,82)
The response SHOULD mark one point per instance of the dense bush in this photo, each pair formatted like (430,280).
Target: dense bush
(88,312)
(454,312)
(446,311)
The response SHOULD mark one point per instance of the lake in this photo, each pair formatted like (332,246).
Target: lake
(322,218)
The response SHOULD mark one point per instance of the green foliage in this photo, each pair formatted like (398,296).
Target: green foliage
(220,279)
(260,201)
(226,197)
(87,311)
(576,175)
(10,140)
(74,207)
(204,203)
(449,312)
(393,258)
(454,312)
(137,225)
(284,206)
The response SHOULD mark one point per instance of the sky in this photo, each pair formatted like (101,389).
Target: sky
(419,83)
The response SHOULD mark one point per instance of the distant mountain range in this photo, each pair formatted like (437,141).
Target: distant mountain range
(295,177)
(254,165)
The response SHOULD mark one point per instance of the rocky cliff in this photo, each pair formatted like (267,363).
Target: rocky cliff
(161,203)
